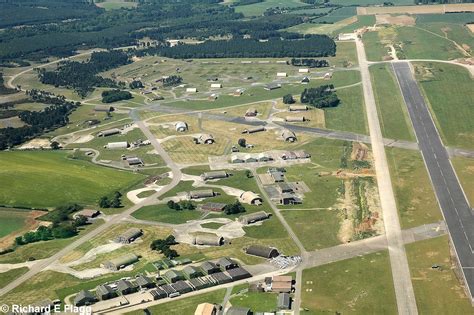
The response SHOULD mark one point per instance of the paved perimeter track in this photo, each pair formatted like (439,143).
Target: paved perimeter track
(456,211)
(406,302)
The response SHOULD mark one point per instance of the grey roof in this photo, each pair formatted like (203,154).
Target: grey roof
(190,270)
(173,274)
(238,273)
(168,289)
(209,266)
(104,289)
(158,293)
(221,277)
(182,287)
(83,296)
(124,260)
(226,261)
(214,174)
(124,285)
(262,251)
(284,301)
(253,217)
(233,310)
(201,193)
(143,280)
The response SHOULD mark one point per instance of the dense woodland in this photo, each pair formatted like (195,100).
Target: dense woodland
(115,96)
(3,89)
(53,116)
(82,76)
(314,46)
(320,97)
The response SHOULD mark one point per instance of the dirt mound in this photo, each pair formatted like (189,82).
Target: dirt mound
(359,151)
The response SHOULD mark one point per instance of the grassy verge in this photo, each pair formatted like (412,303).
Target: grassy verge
(395,122)
(9,276)
(415,197)
(464,168)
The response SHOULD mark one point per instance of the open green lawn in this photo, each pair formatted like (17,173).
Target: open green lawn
(185,306)
(258,8)
(392,110)
(349,115)
(9,276)
(322,230)
(361,285)
(256,301)
(414,193)
(337,15)
(370,2)
(325,153)
(162,213)
(374,48)
(50,178)
(11,220)
(450,94)
(464,168)
(436,291)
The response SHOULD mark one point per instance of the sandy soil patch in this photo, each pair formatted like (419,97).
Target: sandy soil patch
(230,230)
(36,144)
(30,224)
(133,194)
(395,20)
(84,139)
(92,254)
(470,27)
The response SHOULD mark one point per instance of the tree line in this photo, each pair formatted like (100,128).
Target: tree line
(82,76)
(115,96)
(314,46)
(309,62)
(52,117)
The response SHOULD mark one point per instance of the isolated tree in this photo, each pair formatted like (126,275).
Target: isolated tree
(248,173)
(242,142)
(104,202)
(288,99)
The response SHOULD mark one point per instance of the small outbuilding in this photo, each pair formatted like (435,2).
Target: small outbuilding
(253,217)
(251,112)
(172,276)
(181,126)
(288,135)
(297,108)
(84,298)
(191,272)
(104,108)
(199,194)
(234,310)
(251,198)
(88,213)
(126,287)
(303,70)
(284,301)
(144,282)
(262,251)
(206,139)
(134,161)
(214,175)
(226,263)
(104,292)
(206,309)
(282,74)
(213,206)
(129,236)
(238,273)
(108,132)
(272,86)
(121,262)
(117,145)
(254,130)
(208,267)
(295,119)
(191,90)
(209,240)
(216,86)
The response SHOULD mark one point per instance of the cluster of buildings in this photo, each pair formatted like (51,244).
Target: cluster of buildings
(250,158)
(204,139)
(282,193)
(171,283)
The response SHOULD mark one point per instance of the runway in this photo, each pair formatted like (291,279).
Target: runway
(454,205)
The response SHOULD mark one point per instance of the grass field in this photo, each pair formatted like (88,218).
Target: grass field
(349,115)
(436,291)
(162,213)
(464,168)
(9,276)
(394,121)
(321,233)
(185,306)
(337,15)
(50,179)
(449,92)
(11,220)
(375,49)
(258,8)
(41,250)
(256,301)
(415,197)
(370,2)
(361,285)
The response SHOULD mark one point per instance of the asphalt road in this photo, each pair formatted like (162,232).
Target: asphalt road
(454,205)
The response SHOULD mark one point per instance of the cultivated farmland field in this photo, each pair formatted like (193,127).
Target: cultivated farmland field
(258,8)
(11,220)
(49,179)
(418,9)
